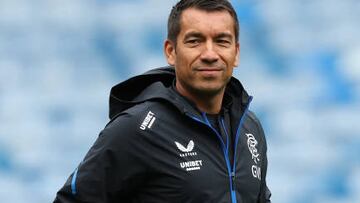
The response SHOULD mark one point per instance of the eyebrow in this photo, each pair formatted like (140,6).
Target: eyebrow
(224,35)
(199,35)
(193,34)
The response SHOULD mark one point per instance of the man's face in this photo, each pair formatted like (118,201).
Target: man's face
(205,52)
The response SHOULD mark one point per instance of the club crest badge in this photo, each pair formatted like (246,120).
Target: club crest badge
(252,144)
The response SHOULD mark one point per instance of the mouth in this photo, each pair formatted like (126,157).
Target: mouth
(209,72)
(209,69)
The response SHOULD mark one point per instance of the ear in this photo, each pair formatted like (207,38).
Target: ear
(237,59)
(170,53)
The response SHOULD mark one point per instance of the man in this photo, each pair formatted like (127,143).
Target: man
(181,133)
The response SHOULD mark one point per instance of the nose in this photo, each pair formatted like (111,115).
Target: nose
(209,55)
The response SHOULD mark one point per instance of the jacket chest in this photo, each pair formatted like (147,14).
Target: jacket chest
(191,155)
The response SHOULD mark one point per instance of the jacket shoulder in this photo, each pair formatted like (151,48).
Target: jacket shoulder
(251,115)
(135,116)
(132,113)
(254,123)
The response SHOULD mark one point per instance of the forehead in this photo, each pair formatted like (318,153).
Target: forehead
(193,19)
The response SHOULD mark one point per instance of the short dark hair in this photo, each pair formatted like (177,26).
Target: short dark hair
(174,24)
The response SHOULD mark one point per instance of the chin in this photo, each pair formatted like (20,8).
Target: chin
(210,91)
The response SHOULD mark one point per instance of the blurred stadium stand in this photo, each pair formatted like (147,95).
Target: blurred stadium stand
(299,59)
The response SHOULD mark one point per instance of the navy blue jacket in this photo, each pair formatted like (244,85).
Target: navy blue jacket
(158,147)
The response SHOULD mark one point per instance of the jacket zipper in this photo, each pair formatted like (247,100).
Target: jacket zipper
(231,170)
(238,133)
(231,176)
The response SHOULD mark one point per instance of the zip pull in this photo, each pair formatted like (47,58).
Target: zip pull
(233,180)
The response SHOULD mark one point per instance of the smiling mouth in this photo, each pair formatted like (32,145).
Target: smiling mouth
(209,72)
(208,69)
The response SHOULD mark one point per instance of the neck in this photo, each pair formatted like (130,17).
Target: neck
(208,103)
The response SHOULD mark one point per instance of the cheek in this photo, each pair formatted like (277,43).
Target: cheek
(231,59)
(186,57)
(182,66)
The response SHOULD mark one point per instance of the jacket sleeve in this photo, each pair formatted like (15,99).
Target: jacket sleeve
(265,194)
(112,169)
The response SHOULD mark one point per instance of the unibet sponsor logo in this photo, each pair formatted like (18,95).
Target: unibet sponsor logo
(191,165)
(188,151)
(148,121)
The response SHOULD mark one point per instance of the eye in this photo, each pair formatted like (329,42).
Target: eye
(223,42)
(192,41)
